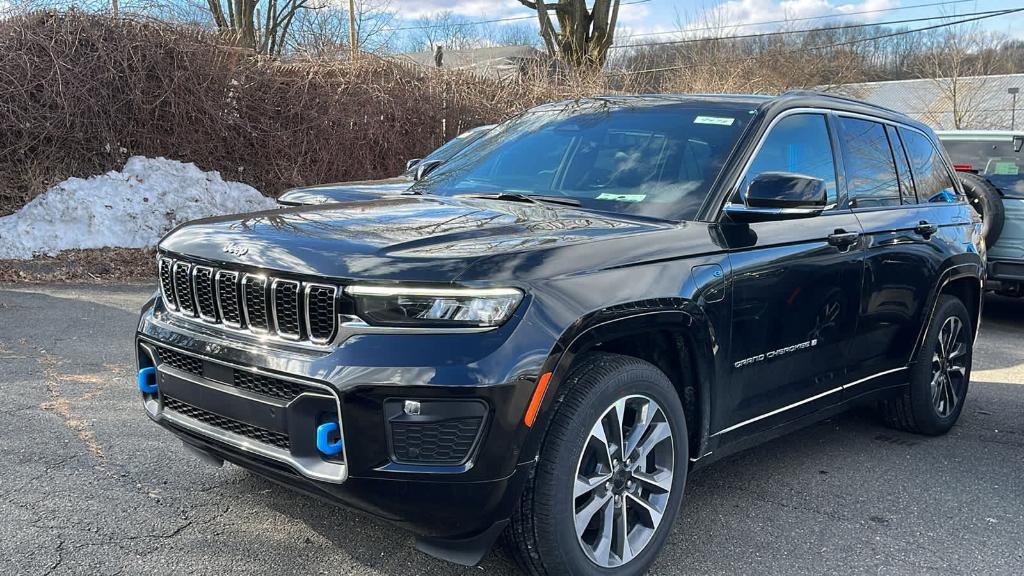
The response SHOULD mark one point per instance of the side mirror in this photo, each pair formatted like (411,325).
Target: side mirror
(412,163)
(779,196)
(424,168)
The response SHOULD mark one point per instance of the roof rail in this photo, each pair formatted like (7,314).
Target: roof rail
(843,97)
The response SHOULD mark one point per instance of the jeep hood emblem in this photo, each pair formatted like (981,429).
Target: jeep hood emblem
(236,249)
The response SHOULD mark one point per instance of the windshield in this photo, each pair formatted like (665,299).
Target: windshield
(994,159)
(650,159)
(453,146)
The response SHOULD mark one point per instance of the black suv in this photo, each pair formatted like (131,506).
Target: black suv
(549,333)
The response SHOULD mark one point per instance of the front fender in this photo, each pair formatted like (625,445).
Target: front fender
(678,316)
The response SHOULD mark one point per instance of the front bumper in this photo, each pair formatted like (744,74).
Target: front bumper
(453,498)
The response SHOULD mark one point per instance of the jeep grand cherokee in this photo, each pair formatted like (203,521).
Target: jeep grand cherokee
(548,334)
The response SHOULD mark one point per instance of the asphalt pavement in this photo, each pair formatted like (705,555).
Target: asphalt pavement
(89,486)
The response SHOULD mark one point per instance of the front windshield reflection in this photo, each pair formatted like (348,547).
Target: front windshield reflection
(656,158)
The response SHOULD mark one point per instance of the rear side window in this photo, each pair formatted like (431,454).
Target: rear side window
(931,177)
(902,166)
(800,144)
(870,171)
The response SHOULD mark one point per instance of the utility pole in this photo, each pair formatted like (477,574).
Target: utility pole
(114,8)
(353,38)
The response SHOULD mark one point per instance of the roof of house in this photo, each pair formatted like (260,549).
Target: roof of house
(982,102)
(478,59)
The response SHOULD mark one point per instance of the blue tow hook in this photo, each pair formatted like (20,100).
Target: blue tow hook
(323,444)
(147,380)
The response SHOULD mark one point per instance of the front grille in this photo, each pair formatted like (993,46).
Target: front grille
(206,304)
(321,312)
(447,442)
(180,361)
(286,308)
(227,424)
(227,297)
(183,288)
(269,386)
(167,282)
(254,293)
(282,307)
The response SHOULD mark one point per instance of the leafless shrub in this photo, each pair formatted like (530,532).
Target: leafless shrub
(80,93)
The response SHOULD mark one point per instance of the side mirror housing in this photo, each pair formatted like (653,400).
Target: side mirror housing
(780,196)
(424,168)
(412,164)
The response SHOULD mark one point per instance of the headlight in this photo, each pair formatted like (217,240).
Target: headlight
(434,307)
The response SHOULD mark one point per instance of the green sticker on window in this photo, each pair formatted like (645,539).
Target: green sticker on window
(1006,169)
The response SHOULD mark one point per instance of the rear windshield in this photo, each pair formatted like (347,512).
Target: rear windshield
(993,159)
(655,160)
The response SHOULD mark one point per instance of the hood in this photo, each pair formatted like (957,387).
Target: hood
(419,238)
(345,191)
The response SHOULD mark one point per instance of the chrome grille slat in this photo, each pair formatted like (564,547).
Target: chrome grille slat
(202,287)
(285,296)
(321,312)
(167,283)
(183,287)
(227,298)
(267,306)
(254,303)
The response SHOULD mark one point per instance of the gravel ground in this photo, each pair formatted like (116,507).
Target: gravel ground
(89,486)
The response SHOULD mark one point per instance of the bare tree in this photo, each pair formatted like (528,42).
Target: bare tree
(583,35)
(266,33)
(959,62)
(324,31)
(444,28)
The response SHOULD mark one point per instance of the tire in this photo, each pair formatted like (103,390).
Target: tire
(542,535)
(988,202)
(931,404)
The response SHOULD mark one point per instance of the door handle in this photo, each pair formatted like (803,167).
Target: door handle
(926,228)
(842,238)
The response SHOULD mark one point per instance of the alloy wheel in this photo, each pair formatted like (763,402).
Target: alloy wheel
(949,366)
(623,481)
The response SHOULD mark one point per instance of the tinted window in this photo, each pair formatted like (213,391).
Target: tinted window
(870,173)
(902,167)
(648,159)
(931,177)
(800,144)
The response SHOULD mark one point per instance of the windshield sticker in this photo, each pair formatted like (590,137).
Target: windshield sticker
(1007,169)
(622,197)
(716,120)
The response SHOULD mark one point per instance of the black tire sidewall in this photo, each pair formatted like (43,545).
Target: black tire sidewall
(928,420)
(561,457)
(993,211)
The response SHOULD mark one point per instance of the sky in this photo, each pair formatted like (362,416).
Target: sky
(644,17)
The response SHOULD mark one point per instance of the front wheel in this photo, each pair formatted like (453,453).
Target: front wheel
(939,379)
(610,477)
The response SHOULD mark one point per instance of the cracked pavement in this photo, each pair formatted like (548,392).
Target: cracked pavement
(89,486)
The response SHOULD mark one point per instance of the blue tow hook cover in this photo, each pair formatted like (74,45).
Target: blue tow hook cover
(323,444)
(147,380)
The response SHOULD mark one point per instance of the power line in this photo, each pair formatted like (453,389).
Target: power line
(821,47)
(805,18)
(806,30)
(477,22)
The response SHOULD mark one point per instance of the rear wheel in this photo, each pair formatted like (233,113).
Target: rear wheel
(987,201)
(940,377)
(610,477)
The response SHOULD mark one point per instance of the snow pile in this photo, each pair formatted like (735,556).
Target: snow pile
(132,208)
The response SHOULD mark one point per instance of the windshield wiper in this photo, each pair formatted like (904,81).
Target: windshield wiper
(528,198)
